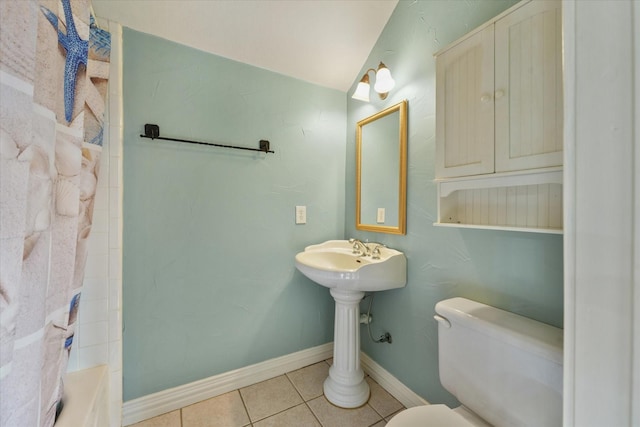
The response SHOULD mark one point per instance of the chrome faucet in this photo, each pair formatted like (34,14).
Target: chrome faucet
(359,247)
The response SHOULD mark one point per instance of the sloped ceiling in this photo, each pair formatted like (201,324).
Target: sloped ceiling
(325,42)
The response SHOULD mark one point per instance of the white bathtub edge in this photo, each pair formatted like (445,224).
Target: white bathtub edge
(86,398)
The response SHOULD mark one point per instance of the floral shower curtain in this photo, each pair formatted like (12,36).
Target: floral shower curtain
(54,68)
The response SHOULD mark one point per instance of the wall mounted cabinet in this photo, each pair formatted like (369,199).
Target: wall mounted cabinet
(499,113)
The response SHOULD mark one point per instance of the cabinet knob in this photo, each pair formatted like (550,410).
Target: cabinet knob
(485,98)
(499,94)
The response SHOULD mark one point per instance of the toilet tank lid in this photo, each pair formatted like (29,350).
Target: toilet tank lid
(528,334)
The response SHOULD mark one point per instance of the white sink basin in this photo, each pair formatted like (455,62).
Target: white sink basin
(333,265)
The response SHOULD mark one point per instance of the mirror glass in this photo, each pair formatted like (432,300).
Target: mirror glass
(381,171)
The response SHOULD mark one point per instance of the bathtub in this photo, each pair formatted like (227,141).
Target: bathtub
(86,399)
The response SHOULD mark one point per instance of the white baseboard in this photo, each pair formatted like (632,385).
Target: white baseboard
(169,400)
(155,404)
(404,394)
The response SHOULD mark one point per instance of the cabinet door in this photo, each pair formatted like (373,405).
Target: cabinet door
(528,87)
(464,107)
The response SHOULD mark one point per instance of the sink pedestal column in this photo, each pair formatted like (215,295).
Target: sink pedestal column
(345,387)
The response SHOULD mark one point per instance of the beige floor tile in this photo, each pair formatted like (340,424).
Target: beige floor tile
(309,380)
(332,416)
(381,401)
(388,417)
(380,424)
(298,416)
(226,410)
(269,397)
(170,419)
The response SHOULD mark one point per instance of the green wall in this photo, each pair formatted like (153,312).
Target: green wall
(520,272)
(209,233)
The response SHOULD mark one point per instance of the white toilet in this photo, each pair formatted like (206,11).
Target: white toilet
(505,369)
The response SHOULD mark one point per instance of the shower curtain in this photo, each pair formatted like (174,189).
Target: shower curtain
(54,66)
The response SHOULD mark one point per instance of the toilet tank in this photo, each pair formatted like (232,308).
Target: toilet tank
(504,367)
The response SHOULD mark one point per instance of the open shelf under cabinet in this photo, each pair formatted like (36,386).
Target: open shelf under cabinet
(529,201)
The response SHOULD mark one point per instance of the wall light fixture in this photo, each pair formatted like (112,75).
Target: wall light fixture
(384,83)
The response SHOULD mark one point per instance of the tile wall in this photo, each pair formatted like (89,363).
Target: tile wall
(98,337)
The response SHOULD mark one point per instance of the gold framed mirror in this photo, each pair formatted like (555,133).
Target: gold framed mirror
(381,171)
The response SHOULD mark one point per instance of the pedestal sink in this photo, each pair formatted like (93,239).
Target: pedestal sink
(348,276)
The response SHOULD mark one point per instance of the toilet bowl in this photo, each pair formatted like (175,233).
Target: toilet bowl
(505,369)
(436,416)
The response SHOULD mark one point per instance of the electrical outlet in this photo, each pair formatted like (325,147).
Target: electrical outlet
(301,214)
(380,219)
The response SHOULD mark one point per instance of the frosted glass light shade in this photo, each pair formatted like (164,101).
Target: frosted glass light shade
(362,92)
(384,81)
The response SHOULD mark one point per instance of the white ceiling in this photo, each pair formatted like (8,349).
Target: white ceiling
(325,42)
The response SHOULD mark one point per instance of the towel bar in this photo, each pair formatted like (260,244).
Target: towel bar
(153,132)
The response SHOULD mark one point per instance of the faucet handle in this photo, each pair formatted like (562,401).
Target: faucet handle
(357,248)
(375,253)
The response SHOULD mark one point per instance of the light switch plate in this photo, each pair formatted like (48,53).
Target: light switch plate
(380,219)
(301,214)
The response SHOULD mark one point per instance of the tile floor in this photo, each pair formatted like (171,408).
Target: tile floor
(294,399)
